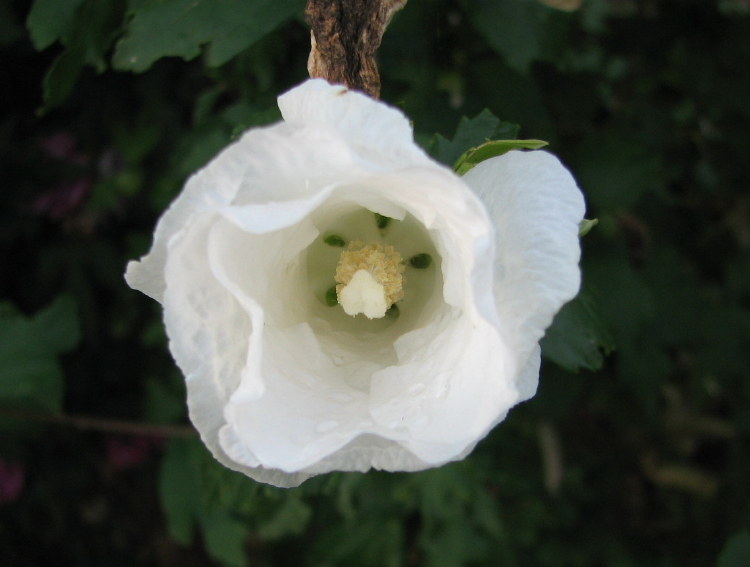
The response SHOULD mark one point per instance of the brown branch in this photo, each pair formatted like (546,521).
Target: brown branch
(100,424)
(344,37)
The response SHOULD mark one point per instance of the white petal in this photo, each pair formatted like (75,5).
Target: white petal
(453,380)
(213,186)
(208,333)
(528,378)
(280,163)
(536,207)
(370,452)
(377,132)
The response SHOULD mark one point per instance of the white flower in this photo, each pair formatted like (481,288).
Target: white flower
(281,384)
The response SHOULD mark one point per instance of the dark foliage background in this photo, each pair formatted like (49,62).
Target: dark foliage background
(640,458)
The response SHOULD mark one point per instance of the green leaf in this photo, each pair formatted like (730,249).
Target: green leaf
(29,370)
(50,20)
(473,156)
(164,402)
(87,41)
(578,337)
(184,499)
(198,147)
(472,132)
(225,489)
(521,31)
(366,542)
(290,519)
(616,171)
(179,488)
(627,302)
(61,77)
(736,552)
(224,537)
(244,119)
(182,27)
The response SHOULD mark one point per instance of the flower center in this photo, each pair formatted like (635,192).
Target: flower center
(369,279)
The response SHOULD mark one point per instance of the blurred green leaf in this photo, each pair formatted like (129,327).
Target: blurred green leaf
(225,537)
(472,132)
(61,77)
(521,31)
(182,27)
(627,302)
(578,337)
(456,544)
(460,519)
(279,512)
(165,403)
(615,172)
(187,503)
(736,552)
(198,147)
(368,542)
(290,519)
(179,488)
(50,20)
(223,488)
(89,38)
(243,118)
(29,370)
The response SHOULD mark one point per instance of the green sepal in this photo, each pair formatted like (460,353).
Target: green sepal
(494,148)
(585,226)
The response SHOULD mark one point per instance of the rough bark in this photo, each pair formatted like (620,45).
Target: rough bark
(344,37)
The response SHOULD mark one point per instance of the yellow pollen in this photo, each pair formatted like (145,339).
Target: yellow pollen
(383,264)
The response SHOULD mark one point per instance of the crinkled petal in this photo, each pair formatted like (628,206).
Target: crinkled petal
(208,332)
(280,163)
(536,208)
(378,133)
(213,186)
(446,391)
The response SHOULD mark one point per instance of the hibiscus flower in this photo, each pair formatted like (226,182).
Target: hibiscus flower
(338,301)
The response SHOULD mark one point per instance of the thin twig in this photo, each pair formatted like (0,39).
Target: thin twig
(100,424)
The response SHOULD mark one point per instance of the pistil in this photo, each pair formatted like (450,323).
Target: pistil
(369,279)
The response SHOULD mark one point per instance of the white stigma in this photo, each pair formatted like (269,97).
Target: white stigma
(363,295)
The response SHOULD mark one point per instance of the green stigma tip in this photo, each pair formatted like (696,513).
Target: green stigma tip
(393,312)
(420,261)
(382,221)
(331,297)
(335,240)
